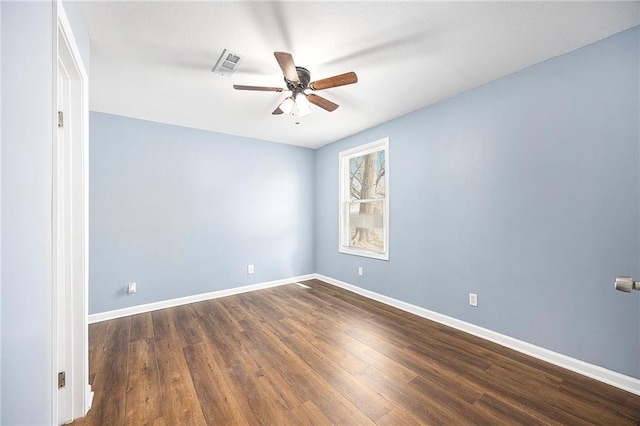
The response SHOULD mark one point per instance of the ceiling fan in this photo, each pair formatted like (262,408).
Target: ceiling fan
(298,80)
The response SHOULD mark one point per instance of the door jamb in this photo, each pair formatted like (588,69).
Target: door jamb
(66,48)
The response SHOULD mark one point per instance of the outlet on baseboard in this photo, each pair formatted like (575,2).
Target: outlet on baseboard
(360,270)
(473,299)
(131,288)
(250,269)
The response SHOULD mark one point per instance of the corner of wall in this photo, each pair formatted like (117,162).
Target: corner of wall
(314,211)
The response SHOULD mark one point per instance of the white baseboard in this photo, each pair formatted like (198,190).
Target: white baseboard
(88,399)
(627,383)
(148,307)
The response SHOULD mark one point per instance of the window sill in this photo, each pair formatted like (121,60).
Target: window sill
(364,253)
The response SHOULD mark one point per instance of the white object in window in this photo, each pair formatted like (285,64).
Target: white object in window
(364,200)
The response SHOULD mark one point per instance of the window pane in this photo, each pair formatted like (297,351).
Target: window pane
(367,176)
(366,225)
(364,216)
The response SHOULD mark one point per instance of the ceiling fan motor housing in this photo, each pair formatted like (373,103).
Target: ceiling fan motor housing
(304,77)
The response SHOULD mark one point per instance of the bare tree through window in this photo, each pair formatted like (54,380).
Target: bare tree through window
(367,190)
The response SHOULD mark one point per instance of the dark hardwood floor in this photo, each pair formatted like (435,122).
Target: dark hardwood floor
(290,355)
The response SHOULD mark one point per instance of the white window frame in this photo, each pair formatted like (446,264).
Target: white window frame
(345,198)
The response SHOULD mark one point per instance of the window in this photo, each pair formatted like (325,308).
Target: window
(364,200)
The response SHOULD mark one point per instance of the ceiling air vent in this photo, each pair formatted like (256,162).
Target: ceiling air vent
(228,63)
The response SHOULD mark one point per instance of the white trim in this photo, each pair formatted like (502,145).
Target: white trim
(364,149)
(75,198)
(624,382)
(627,383)
(140,309)
(54,282)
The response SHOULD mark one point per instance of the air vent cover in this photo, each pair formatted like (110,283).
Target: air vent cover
(228,63)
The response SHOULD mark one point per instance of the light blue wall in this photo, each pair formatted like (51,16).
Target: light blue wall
(181,211)
(26,374)
(27,61)
(524,191)
(74,15)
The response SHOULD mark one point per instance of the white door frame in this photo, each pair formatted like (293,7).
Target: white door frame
(70,221)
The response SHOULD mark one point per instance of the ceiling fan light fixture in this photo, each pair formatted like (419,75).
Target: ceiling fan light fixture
(303,105)
(288,105)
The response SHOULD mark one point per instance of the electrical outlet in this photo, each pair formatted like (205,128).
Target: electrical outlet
(473,299)
(250,269)
(360,270)
(131,288)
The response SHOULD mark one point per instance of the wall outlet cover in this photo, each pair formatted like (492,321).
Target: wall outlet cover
(473,299)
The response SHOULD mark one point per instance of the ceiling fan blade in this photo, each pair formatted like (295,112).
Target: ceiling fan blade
(258,88)
(285,60)
(338,80)
(322,102)
(277,111)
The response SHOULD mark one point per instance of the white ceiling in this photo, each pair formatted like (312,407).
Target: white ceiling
(153,60)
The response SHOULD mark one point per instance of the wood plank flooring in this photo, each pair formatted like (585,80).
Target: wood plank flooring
(323,355)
